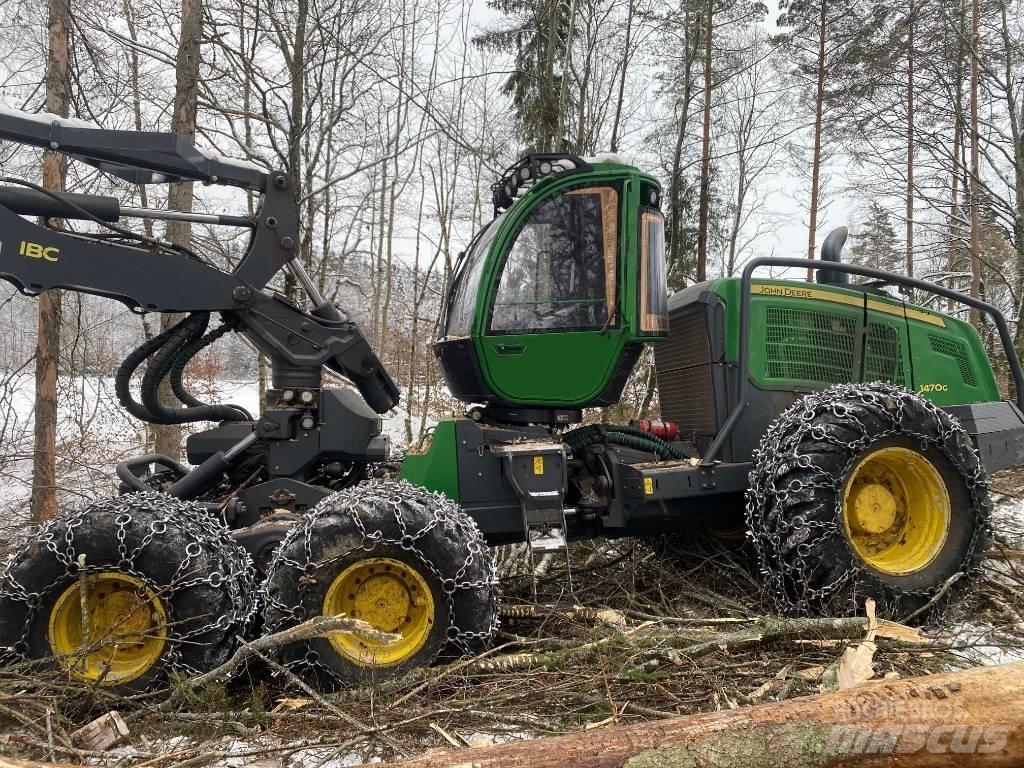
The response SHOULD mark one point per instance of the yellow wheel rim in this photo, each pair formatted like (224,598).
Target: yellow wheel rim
(125,632)
(896,510)
(390,595)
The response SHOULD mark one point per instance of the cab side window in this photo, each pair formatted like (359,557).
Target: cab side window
(560,273)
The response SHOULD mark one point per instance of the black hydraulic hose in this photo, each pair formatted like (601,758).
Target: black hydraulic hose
(181,336)
(178,370)
(122,380)
(182,359)
(633,441)
(583,437)
(637,432)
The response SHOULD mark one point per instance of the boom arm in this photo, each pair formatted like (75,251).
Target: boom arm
(152,276)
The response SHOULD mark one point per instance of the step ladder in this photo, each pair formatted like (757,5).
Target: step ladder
(536,470)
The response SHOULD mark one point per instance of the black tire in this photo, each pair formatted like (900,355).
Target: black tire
(796,497)
(398,522)
(175,549)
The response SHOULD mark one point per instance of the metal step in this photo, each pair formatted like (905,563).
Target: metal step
(544,542)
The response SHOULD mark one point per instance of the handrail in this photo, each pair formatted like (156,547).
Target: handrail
(880,274)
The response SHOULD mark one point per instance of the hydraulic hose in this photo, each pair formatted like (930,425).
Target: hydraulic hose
(181,336)
(619,434)
(182,359)
(122,380)
(165,348)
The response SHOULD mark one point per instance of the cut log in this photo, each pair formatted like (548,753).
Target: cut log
(973,717)
(102,733)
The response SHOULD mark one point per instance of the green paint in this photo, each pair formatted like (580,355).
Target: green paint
(558,369)
(804,336)
(953,358)
(812,336)
(437,469)
(570,368)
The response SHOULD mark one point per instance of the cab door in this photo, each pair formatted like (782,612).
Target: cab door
(553,332)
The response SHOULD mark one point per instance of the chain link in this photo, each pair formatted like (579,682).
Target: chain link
(369,508)
(786,476)
(202,538)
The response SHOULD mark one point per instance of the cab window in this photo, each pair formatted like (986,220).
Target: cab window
(560,272)
(653,281)
(466,281)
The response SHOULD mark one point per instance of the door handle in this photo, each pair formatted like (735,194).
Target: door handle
(510,349)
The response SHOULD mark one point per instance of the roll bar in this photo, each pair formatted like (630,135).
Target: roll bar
(852,269)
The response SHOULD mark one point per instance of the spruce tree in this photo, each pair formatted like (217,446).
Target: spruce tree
(874,242)
(536,33)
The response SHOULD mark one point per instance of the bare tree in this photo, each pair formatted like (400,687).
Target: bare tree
(44,476)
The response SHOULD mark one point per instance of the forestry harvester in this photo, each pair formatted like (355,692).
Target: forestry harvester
(847,429)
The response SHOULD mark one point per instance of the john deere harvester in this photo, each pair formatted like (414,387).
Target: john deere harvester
(850,431)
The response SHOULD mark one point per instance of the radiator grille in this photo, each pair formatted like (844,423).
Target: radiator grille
(956,350)
(805,345)
(683,364)
(883,355)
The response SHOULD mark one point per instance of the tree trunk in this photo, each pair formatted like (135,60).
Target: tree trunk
(910,140)
(44,465)
(167,437)
(955,229)
(549,140)
(626,56)
(819,104)
(705,153)
(973,717)
(975,164)
(1013,115)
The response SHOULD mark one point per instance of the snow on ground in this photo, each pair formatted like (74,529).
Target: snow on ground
(1011,509)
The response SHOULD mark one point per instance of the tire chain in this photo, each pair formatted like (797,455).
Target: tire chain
(388,495)
(779,453)
(200,529)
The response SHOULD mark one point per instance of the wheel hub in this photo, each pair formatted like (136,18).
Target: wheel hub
(391,596)
(896,510)
(874,508)
(108,628)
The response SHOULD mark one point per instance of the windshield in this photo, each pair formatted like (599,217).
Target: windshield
(466,281)
(559,274)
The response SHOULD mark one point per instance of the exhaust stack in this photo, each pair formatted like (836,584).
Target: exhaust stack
(831,250)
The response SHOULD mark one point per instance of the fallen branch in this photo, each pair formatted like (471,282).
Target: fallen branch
(581,613)
(318,626)
(773,630)
(513,662)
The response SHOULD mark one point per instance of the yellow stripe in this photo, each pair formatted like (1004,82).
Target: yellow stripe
(912,314)
(799,292)
(889,309)
(795,292)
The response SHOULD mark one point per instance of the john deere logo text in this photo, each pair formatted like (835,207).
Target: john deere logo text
(782,290)
(933,388)
(37,251)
